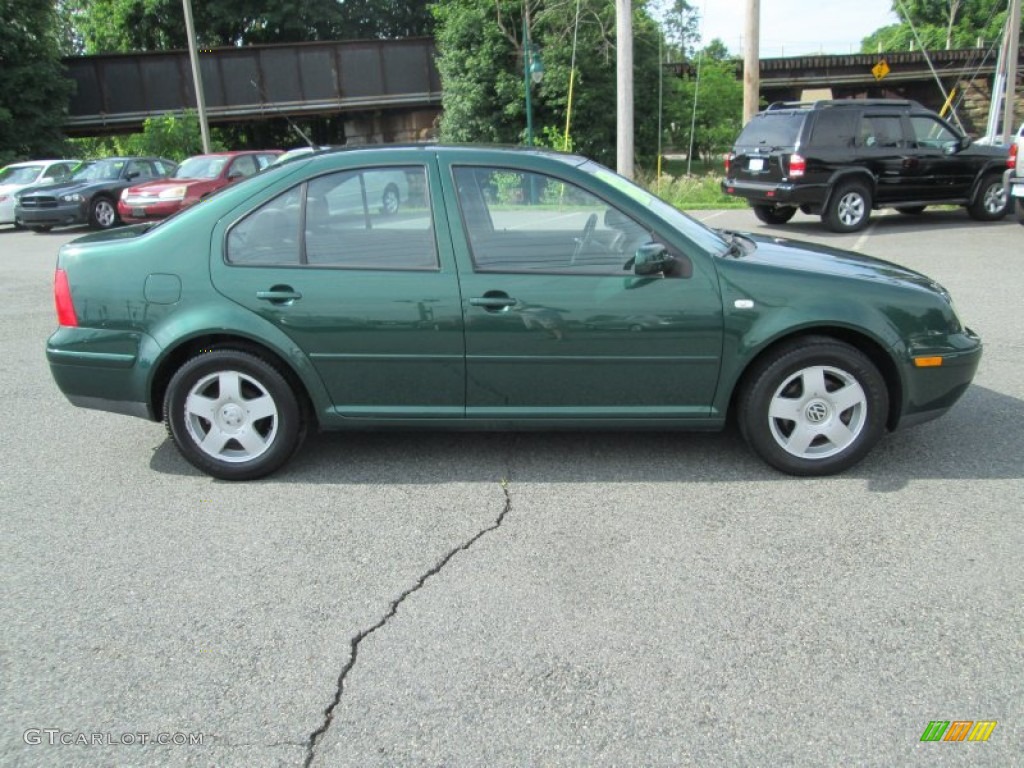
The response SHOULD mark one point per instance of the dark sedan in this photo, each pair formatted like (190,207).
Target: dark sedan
(90,196)
(514,289)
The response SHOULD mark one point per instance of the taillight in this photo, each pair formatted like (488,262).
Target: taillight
(728,161)
(797,166)
(1011,160)
(62,299)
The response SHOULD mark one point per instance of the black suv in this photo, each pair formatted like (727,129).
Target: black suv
(840,159)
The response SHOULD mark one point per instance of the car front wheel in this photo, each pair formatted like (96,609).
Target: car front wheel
(233,415)
(774,214)
(815,406)
(102,214)
(992,203)
(849,208)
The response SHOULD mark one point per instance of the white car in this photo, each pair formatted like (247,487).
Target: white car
(17,176)
(1013,179)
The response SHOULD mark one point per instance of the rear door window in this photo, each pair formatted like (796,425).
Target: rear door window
(772,129)
(835,128)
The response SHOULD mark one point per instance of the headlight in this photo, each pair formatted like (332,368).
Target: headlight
(173,193)
(74,197)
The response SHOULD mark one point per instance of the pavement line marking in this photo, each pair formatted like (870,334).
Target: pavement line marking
(863,238)
(708,218)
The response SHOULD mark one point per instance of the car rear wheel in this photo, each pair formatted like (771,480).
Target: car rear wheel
(102,213)
(774,214)
(233,415)
(390,201)
(815,406)
(849,208)
(991,204)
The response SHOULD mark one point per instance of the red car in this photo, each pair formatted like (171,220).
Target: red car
(195,178)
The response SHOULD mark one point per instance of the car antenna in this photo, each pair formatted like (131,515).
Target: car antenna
(291,122)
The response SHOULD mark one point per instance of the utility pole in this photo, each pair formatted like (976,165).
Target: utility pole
(624,89)
(197,77)
(1012,48)
(752,60)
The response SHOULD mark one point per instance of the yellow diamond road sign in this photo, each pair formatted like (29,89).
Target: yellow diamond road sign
(880,70)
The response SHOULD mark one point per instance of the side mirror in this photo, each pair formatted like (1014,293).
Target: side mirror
(651,259)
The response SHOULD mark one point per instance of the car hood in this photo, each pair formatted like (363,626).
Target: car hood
(67,187)
(821,259)
(158,186)
(7,189)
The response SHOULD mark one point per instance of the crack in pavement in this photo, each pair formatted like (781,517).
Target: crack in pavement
(319,733)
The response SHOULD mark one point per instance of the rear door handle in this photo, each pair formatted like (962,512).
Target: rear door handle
(493,302)
(279,294)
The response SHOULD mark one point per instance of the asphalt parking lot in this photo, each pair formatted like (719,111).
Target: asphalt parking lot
(518,599)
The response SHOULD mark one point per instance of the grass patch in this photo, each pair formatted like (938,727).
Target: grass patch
(694,192)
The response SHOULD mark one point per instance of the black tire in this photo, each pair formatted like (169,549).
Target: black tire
(836,396)
(227,442)
(849,207)
(390,201)
(991,202)
(103,213)
(912,210)
(774,214)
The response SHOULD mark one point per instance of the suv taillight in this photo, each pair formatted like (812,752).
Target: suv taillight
(1011,161)
(728,162)
(797,166)
(62,299)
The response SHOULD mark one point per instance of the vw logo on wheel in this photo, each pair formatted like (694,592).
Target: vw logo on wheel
(816,412)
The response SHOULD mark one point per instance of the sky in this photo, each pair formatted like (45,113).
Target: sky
(796,27)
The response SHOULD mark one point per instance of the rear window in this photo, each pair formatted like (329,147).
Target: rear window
(772,129)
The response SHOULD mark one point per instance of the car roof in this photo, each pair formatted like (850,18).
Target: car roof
(482,149)
(24,163)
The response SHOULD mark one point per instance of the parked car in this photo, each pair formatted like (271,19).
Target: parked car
(388,190)
(840,159)
(18,176)
(1013,177)
(196,178)
(89,196)
(490,302)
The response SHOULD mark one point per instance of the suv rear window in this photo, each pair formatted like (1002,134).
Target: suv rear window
(772,129)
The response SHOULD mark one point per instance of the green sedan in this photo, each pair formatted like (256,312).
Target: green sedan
(512,289)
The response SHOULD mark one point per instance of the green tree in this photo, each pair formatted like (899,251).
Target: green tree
(940,24)
(146,25)
(33,88)
(707,109)
(480,59)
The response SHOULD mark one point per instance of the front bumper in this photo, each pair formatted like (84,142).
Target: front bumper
(931,391)
(133,211)
(54,216)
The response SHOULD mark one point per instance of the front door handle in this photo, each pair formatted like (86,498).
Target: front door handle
(279,294)
(493,301)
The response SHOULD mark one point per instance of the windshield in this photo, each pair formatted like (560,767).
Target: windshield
(704,238)
(201,167)
(100,170)
(24,174)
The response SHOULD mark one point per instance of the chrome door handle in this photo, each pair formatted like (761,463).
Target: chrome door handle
(493,302)
(279,295)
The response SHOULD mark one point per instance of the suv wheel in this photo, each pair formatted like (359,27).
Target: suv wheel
(991,203)
(774,214)
(848,208)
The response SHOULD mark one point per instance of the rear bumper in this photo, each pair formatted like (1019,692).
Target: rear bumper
(775,193)
(135,213)
(1013,184)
